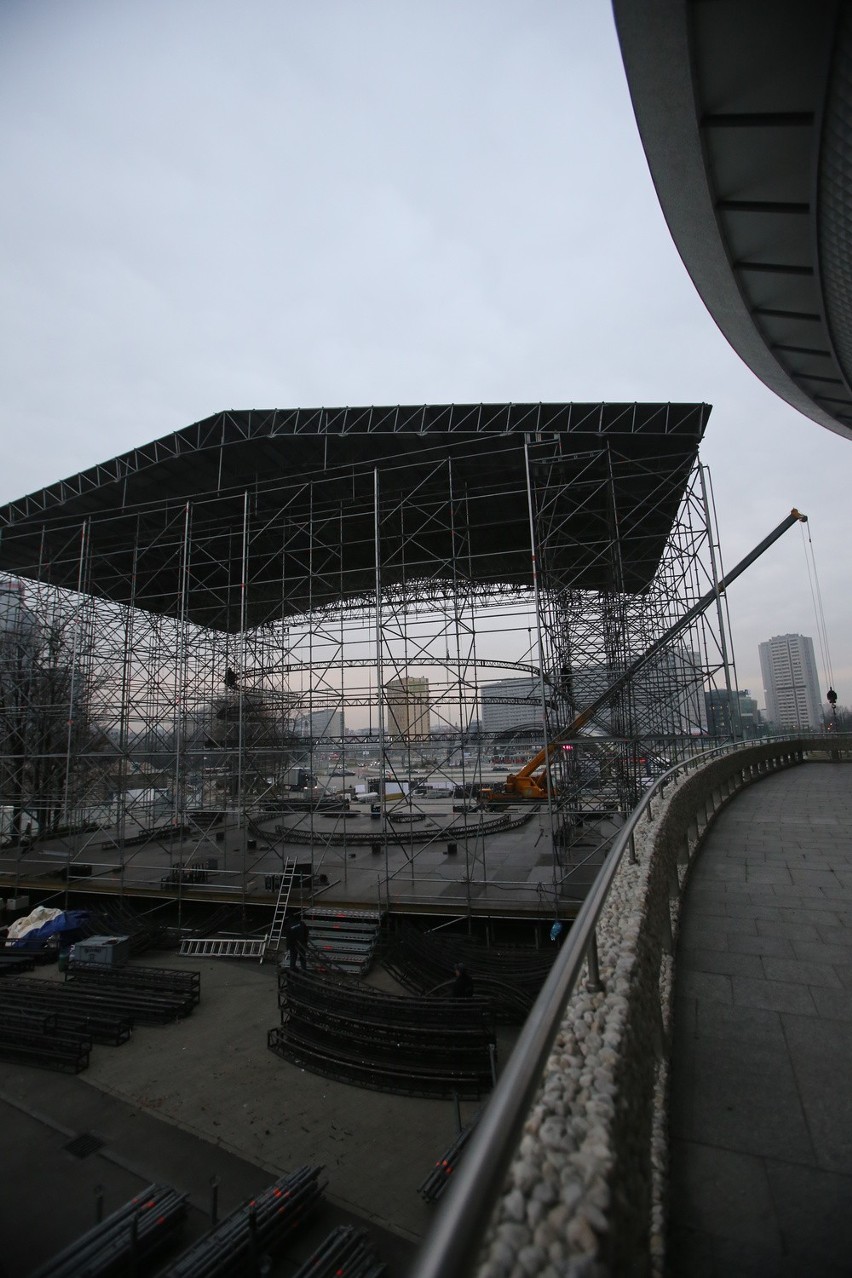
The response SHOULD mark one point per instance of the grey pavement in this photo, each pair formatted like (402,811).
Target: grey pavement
(205,1097)
(761,1117)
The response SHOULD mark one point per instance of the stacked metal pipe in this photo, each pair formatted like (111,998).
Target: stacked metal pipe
(116,1246)
(237,1245)
(436,1182)
(346,1250)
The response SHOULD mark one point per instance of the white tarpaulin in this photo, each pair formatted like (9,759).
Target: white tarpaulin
(30,922)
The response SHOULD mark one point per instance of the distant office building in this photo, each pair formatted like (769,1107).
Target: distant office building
(665,697)
(510,703)
(319,724)
(790,682)
(407,700)
(731,714)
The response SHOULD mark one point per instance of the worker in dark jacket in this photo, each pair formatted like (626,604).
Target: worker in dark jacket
(297,942)
(463,983)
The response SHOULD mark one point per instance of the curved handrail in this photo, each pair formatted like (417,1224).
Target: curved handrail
(456,1234)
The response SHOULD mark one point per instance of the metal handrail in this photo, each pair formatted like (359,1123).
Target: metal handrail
(455,1238)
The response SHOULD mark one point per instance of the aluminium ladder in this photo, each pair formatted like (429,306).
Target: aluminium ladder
(222,947)
(279,915)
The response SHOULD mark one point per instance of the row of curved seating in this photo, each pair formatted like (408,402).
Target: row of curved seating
(346,1030)
(509,978)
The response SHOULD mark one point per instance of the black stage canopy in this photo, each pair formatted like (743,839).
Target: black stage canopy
(248,517)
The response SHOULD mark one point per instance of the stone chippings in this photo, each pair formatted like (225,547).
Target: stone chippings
(557,1211)
(585,1195)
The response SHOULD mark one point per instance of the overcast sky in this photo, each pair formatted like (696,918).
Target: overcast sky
(211,204)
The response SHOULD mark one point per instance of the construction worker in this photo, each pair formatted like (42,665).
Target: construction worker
(463,983)
(297,942)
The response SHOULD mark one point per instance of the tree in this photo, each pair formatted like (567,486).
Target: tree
(250,734)
(46,736)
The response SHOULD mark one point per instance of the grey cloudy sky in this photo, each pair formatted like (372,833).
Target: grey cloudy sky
(211,204)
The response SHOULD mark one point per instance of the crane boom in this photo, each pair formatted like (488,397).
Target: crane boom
(523,785)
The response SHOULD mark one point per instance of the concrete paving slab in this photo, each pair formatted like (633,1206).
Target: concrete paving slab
(801,972)
(706,937)
(740,1025)
(776,996)
(833,1003)
(820,1053)
(723,1194)
(705,985)
(789,928)
(734,1259)
(747,1104)
(777,946)
(838,956)
(709,912)
(821,918)
(812,1208)
(749,916)
(699,959)
(837,932)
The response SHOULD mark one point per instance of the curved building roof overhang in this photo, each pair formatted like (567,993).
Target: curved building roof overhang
(745,113)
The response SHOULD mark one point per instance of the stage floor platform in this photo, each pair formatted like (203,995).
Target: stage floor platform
(472,864)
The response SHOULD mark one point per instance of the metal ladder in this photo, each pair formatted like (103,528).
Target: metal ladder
(279,915)
(222,947)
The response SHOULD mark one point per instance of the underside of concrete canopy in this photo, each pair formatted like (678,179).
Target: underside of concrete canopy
(744,110)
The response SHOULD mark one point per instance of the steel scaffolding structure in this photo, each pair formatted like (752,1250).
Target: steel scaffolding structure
(198,641)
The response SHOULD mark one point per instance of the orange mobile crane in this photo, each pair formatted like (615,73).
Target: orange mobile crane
(530,785)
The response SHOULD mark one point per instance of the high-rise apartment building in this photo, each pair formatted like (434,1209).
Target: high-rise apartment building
(790,682)
(407,700)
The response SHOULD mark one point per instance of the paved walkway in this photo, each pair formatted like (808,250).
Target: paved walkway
(762,1056)
(183,1102)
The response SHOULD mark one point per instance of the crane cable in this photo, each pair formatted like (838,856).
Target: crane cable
(819,614)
